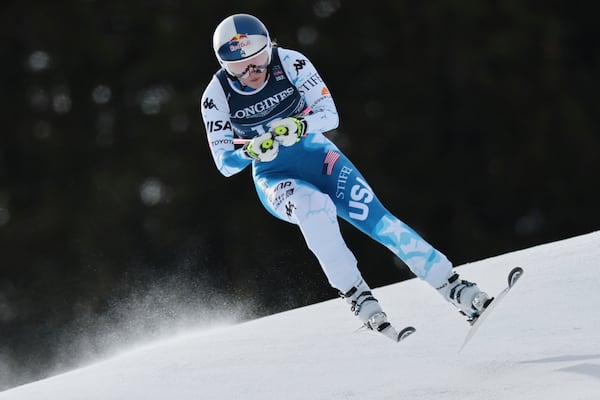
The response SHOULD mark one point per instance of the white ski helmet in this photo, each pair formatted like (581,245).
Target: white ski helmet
(238,37)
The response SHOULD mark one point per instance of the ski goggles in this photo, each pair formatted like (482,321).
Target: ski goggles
(258,64)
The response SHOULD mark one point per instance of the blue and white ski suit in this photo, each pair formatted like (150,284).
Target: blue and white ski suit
(311,183)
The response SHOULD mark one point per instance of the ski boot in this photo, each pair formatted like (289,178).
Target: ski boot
(366,307)
(465,296)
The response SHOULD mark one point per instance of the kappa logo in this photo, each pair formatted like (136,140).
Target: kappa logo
(289,208)
(209,104)
(298,65)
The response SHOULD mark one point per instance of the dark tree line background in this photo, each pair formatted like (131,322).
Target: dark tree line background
(475,122)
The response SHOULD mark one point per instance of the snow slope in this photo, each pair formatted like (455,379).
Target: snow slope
(542,342)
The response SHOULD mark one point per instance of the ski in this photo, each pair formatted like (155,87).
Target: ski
(513,277)
(406,332)
(389,331)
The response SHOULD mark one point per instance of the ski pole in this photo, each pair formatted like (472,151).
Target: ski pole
(240,141)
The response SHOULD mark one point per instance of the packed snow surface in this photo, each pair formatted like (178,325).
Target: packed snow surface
(541,342)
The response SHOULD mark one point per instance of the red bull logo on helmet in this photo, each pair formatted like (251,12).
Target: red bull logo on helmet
(237,37)
(238,41)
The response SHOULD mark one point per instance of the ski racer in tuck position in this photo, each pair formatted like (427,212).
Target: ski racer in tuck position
(274,100)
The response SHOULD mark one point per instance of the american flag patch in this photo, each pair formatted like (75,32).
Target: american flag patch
(329,162)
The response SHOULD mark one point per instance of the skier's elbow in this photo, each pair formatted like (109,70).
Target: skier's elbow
(335,121)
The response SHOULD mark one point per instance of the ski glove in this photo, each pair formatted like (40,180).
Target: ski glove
(288,131)
(262,147)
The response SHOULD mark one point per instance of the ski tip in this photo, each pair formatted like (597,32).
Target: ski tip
(406,332)
(514,275)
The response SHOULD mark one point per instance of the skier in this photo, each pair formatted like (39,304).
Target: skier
(275,100)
